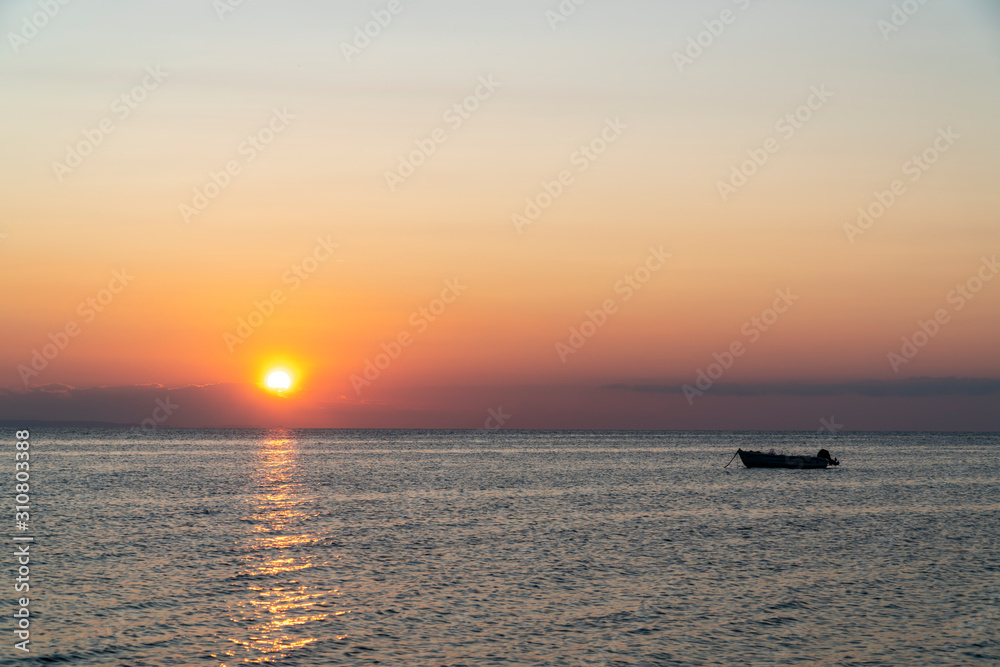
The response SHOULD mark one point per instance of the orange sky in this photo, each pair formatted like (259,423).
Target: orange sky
(504,111)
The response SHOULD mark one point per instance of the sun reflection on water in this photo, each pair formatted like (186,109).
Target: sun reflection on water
(279,611)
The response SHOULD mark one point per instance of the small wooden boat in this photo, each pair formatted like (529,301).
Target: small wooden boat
(762,460)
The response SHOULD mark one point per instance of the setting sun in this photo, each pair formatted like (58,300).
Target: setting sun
(279,380)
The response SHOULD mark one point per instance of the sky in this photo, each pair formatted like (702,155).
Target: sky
(737,214)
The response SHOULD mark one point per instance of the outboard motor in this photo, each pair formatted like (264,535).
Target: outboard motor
(823,454)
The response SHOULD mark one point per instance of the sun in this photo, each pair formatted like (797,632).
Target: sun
(279,380)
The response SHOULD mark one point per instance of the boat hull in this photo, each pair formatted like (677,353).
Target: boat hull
(758,460)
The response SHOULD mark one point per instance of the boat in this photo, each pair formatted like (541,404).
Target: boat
(772,460)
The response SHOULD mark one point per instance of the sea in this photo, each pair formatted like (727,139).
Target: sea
(366,547)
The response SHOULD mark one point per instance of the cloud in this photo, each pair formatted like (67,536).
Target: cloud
(214,405)
(923,404)
(220,404)
(909,388)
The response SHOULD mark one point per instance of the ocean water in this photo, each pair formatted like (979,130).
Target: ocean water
(314,547)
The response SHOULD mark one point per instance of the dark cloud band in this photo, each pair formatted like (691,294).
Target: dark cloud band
(910,387)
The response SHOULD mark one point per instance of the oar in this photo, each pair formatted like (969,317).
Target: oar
(732,459)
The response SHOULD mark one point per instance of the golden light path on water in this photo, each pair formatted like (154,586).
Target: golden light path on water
(278,607)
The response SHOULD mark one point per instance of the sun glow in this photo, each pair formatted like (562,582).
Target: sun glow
(279,381)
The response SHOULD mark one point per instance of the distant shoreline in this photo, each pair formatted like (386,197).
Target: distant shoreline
(41,423)
(21,423)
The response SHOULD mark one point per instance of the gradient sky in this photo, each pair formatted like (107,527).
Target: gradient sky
(891,96)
